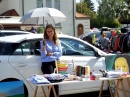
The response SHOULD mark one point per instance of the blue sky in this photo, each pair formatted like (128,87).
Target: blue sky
(95,3)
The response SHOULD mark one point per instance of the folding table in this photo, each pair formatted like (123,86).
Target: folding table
(119,80)
(51,86)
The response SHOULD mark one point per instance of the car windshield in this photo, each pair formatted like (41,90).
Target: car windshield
(74,47)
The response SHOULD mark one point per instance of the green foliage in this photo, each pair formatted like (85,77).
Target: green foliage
(90,4)
(40,30)
(109,12)
(82,8)
(114,9)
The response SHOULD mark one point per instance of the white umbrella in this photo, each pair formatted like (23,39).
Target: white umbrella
(43,16)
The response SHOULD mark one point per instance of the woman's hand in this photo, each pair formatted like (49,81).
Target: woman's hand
(50,53)
(44,45)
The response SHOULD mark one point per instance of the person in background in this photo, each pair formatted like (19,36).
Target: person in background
(93,38)
(113,33)
(50,52)
(33,30)
(105,42)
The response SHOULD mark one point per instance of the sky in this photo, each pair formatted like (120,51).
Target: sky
(94,1)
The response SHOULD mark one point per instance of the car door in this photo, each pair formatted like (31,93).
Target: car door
(26,60)
(81,54)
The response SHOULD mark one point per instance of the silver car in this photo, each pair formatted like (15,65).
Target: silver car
(12,32)
(20,58)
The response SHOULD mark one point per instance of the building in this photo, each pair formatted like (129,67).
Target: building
(82,23)
(68,7)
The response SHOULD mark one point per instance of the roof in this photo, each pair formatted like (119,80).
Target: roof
(11,12)
(80,15)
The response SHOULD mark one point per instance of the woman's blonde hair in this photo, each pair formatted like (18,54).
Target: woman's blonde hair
(55,38)
(104,33)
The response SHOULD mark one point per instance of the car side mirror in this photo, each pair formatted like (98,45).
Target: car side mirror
(97,54)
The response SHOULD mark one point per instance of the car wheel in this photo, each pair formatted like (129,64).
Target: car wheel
(12,79)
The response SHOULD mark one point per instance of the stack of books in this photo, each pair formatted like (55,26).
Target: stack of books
(82,70)
(62,67)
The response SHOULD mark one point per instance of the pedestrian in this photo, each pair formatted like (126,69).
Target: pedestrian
(113,34)
(50,52)
(105,42)
(33,30)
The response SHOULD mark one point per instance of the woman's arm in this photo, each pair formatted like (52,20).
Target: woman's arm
(43,49)
(59,52)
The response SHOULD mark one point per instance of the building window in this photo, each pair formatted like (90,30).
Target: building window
(39,3)
(49,3)
(57,6)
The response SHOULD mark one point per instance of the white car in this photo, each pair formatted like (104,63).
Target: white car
(20,58)
(12,32)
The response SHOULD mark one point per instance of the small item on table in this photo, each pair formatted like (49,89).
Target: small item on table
(69,77)
(85,77)
(95,75)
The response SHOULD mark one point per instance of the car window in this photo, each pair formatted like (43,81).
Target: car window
(22,33)
(7,48)
(8,34)
(71,47)
(31,47)
(23,49)
(1,34)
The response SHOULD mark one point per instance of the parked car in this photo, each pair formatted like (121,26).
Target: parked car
(12,32)
(98,34)
(20,58)
(89,36)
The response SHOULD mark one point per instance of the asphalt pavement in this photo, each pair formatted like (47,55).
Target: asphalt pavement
(90,94)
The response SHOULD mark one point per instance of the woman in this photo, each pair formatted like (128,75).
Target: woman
(50,51)
(105,42)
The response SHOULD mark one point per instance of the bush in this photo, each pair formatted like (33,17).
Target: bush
(40,30)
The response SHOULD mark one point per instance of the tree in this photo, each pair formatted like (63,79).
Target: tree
(109,8)
(125,12)
(90,5)
(108,11)
(40,30)
(81,8)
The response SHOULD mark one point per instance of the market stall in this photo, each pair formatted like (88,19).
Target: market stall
(82,75)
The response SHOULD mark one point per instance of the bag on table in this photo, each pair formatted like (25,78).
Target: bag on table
(54,77)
